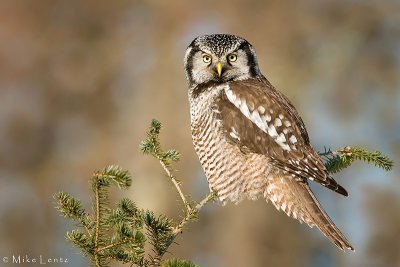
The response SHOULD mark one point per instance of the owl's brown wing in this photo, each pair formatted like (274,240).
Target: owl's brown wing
(259,119)
(262,120)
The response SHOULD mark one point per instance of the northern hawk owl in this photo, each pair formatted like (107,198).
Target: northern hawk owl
(249,138)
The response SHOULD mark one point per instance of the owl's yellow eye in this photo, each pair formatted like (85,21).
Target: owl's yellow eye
(232,57)
(207,59)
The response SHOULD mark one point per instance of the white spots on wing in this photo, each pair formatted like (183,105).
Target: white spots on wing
(255,117)
(293,139)
(271,111)
(262,121)
(285,146)
(232,97)
(234,134)
(287,123)
(244,108)
(266,118)
(272,131)
(299,179)
(281,138)
(277,122)
(285,130)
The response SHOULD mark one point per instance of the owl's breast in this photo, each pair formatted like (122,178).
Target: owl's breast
(230,173)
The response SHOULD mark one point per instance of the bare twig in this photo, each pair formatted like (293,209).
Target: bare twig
(175,183)
(190,212)
(96,238)
(206,200)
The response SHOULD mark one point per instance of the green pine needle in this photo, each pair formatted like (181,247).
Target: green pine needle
(340,159)
(80,240)
(128,207)
(155,127)
(375,157)
(151,145)
(178,263)
(113,174)
(69,206)
(159,229)
(172,155)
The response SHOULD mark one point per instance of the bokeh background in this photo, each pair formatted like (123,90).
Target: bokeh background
(81,80)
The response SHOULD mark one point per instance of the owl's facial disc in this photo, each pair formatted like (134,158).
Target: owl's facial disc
(209,67)
(219,58)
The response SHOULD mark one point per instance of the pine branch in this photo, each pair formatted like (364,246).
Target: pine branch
(160,234)
(121,233)
(152,146)
(71,208)
(113,174)
(97,228)
(178,263)
(342,158)
(126,222)
(118,234)
(209,198)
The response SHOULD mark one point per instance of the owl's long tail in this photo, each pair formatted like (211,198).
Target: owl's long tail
(298,201)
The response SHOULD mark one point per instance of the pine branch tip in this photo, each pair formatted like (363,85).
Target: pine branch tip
(342,158)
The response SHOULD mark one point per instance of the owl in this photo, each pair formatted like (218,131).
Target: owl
(250,140)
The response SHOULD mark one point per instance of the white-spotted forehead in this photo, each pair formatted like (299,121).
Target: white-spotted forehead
(218,44)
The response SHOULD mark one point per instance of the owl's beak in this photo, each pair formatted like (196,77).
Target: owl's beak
(219,69)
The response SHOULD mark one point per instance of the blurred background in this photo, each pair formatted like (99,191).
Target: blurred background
(81,80)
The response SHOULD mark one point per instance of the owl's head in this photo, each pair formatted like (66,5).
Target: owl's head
(220,58)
